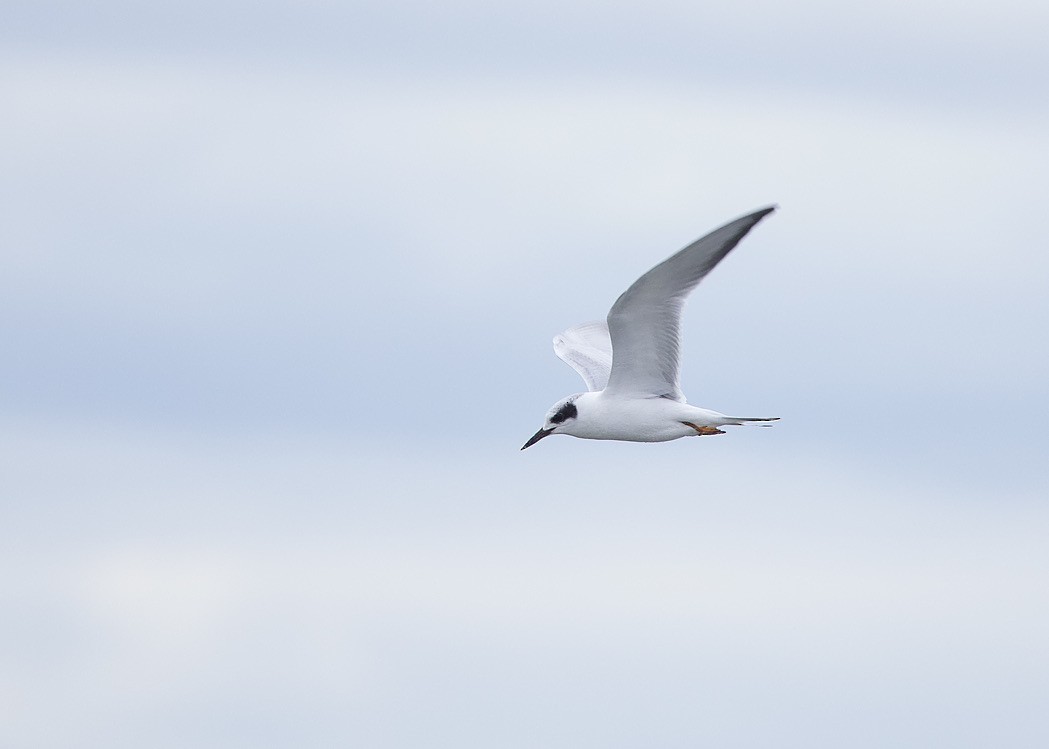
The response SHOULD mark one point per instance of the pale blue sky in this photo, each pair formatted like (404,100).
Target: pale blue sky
(277,288)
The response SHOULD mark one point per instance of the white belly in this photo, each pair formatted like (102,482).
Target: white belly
(638,419)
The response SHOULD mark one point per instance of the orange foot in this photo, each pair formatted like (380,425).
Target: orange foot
(703,430)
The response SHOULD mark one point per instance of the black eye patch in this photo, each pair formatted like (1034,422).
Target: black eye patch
(567,411)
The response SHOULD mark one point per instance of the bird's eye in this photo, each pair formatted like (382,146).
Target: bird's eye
(567,411)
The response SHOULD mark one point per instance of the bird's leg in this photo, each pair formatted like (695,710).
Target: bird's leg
(703,431)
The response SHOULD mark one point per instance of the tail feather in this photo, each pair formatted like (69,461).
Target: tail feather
(742,420)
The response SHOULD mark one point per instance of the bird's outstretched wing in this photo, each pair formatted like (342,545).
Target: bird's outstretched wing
(587,349)
(645,322)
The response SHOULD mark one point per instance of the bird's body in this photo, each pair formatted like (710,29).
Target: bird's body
(630,362)
(639,419)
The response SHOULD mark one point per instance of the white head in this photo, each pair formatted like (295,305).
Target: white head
(560,418)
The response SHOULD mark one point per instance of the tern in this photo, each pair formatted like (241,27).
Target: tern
(630,363)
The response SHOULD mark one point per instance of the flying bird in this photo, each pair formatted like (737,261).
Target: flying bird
(630,363)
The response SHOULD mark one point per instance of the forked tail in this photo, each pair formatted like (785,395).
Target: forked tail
(742,420)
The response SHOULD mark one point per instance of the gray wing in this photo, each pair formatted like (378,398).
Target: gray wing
(645,322)
(587,349)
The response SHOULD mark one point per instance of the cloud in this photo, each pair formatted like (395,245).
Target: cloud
(912,51)
(276,296)
(213,236)
(198,587)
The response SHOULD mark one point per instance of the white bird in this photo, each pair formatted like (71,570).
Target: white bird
(630,365)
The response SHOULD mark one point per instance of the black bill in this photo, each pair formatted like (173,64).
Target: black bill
(537,436)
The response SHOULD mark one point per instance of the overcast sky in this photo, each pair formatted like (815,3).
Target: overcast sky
(277,289)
